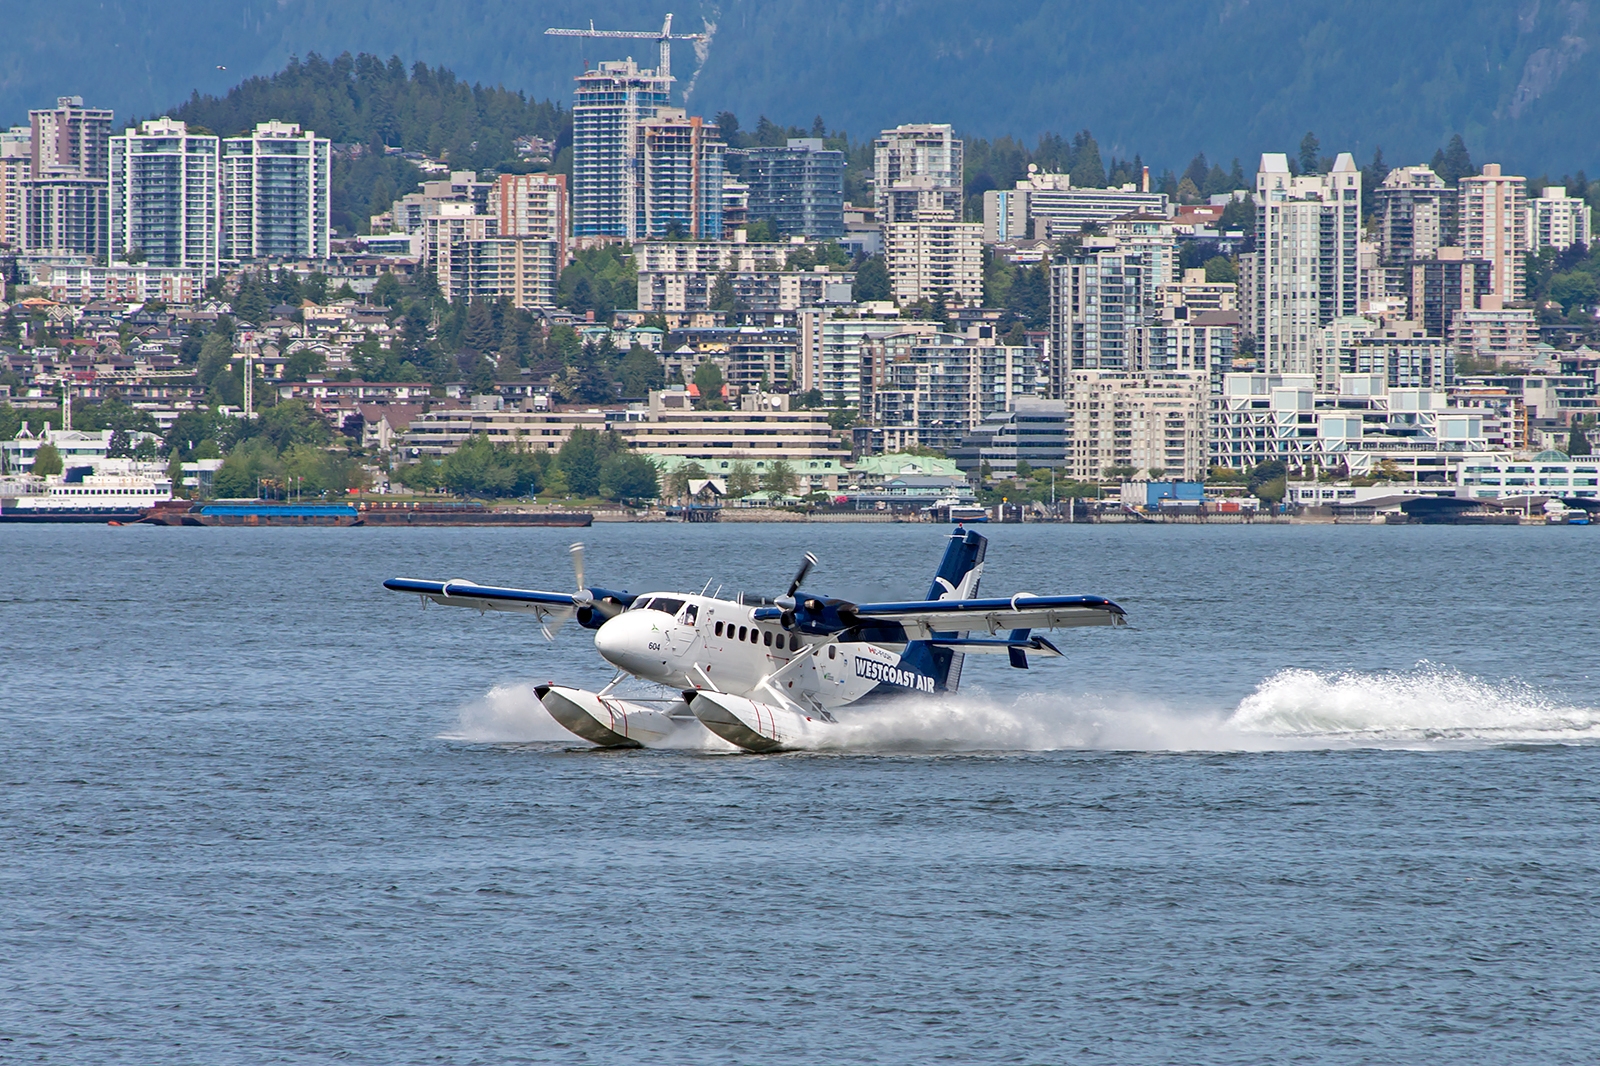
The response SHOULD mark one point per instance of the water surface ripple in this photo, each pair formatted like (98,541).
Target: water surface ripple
(1331,799)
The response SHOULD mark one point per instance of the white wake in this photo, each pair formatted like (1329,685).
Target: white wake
(1428,706)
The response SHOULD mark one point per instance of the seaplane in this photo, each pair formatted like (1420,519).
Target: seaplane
(767,673)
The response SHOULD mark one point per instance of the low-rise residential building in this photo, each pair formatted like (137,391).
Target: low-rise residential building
(1491,329)
(1049,205)
(1365,424)
(439,432)
(1552,474)
(669,425)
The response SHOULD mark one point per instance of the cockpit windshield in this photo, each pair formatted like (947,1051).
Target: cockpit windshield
(665,604)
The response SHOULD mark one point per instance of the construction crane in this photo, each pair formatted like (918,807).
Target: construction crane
(666,37)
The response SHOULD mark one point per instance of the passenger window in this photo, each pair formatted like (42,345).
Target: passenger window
(741,632)
(719,629)
(830,651)
(766,637)
(691,614)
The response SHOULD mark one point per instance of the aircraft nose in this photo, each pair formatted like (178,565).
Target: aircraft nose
(624,642)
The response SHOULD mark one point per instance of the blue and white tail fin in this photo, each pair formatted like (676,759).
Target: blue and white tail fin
(957,578)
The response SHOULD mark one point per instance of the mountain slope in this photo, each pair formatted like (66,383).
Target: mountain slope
(1230,77)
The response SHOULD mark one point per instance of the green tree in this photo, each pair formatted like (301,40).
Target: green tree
(1574,288)
(742,479)
(781,479)
(1578,437)
(640,371)
(600,280)
(1088,171)
(302,363)
(1453,162)
(722,296)
(872,281)
(47,460)
(708,379)
(580,460)
(1310,154)
(1219,268)
(627,475)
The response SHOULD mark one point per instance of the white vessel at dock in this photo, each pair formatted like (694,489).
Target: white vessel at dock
(114,492)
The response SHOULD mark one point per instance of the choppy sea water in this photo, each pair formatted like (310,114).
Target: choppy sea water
(1331,798)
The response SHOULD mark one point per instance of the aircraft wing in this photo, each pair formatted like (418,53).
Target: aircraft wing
(460,593)
(922,618)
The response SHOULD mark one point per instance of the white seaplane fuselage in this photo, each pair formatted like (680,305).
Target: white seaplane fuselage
(707,644)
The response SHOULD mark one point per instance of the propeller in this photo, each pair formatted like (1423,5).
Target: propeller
(806,564)
(583,595)
(786,601)
(581,598)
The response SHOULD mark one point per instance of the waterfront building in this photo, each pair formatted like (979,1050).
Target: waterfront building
(1494,227)
(1556,220)
(798,189)
(164,204)
(1154,423)
(1554,474)
(917,167)
(438,433)
(275,189)
(611,102)
(932,255)
(1033,430)
(1307,258)
(1365,423)
(669,426)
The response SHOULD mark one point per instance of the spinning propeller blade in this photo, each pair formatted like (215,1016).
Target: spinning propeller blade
(800,575)
(580,597)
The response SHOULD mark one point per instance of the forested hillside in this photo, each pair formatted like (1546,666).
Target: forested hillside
(1227,77)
